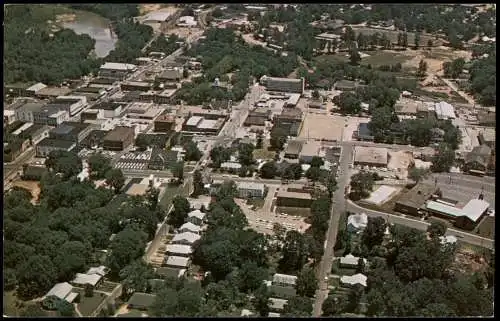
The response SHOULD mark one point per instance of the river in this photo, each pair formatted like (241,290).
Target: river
(97,28)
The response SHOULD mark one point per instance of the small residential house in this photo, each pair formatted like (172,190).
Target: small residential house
(190,227)
(177,262)
(277,305)
(284,280)
(166,271)
(356,222)
(82,279)
(141,301)
(350,261)
(196,217)
(186,238)
(352,280)
(283,286)
(62,291)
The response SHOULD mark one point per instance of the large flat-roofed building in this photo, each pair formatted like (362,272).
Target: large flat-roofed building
(116,70)
(290,120)
(71,131)
(72,104)
(293,199)
(249,189)
(414,200)
(309,150)
(110,109)
(200,124)
(370,156)
(164,123)
(50,115)
(52,92)
(47,145)
(293,149)
(35,133)
(119,138)
(136,85)
(487,136)
(166,96)
(283,84)
(465,218)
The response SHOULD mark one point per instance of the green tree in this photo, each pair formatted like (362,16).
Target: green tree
(134,277)
(315,95)
(227,190)
(251,276)
(294,251)
(278,138)
(178,171)
(261,300)
(245,154)
(330,307)
(293,171)
(260,140)
(307,283)
(417,40)
(317,161)
(417,174)
(313,173)
(298,307)
(9,279)
(127,246)
(268,170)
(443,159)
(354,298)
(436,229)
(88,290)
(354,57)
(197,184)
(141,142)
(67,163)
(373,234)
(361,184)
(422,69)
(192,152)
(179,214)
(115,179)
(219,155)
(99,166)
(33,310)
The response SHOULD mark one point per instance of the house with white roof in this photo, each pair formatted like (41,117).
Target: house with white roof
(445,110)
(186,238)
(284,280)
(179,250)
(177,262)
(356,222)
(249,189)
(466,218)
(63,291)
(190,227)
(101,270)
(352,280)
(350,261)
(196,217)
(277,305)
(82,279)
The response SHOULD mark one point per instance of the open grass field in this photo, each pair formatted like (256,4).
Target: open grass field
(295,211)
(170,192)
(379,58)
(393,35)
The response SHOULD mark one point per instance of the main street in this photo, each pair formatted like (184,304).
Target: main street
(338,206)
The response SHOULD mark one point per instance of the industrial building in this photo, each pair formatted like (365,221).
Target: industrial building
(283,84)
(164,123)
(119,138)
(115,70)
(370,156)
(48,145)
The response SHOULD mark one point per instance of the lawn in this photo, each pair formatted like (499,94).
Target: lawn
(258,203)
(294,211)
(170,192)
(334,282)
(88,305)
(263,153)
(9,304)
(378,58)
(393,35)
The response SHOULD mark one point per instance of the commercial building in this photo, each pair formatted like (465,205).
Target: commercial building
(47,145)
(250,190)
(50,115)
(444,110)
(465,218)
(290,120)
(477,161)
(119,138)
(414,200)
(293,149)
(370,156)
(135,86)
(35,133)
(166,96)
(71,131)
(293,199)
(110,109)
(164,123)
(52,92)
(115,70)
(200,124)
(170,74)
(25,112)
(71,104)
(292,100)
(309,150)
(283,84)
(91,114)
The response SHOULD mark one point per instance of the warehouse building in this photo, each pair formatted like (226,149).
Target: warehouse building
(370,156)
(283,84)
(119,138)
(117,71)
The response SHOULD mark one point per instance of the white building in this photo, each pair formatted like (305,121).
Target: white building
(351,280)
(187,21)
(196,217)
(178,262)
(187,238)
(178,250)
(230,166)
(350,261)
(284,280)
(190,227)
(445,111)
(63,291)
(116,70)
(249,189)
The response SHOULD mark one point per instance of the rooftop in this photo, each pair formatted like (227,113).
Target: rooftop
(190,227)
(310,148)
(170,272)
(284,279)
(354,279)
(188,236)
(141,299)
(58,143)
(118,133)
(118,66)
(294,147)
(106,105)
(194,121)
(372,155)
(60,290)
(137,190)
(197,213)
(180,249)
(83,279)
(250,185)
(286,194)
(178,261)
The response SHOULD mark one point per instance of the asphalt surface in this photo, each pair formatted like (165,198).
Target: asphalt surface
(338,206)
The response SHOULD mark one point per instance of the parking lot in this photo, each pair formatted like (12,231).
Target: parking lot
(86,153)
(134,160)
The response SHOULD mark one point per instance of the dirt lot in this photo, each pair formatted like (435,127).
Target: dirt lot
(322,126)
(32,186)
(185,32)
(149,7)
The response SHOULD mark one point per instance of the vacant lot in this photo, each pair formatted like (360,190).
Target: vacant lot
(322,126)
(393,35)
(378,58)
(32,186)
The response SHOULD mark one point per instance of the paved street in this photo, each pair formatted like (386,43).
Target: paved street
(338,207)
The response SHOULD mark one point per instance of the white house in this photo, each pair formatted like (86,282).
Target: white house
(190,227)
(356,222)
(187,238)
(178,262)
(82,279)
(249,189)
(350,260)
(63,291)
(351,280)
(277,304)
(196,217)
(284,280)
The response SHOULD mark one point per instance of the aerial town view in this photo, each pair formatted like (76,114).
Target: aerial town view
(249,160)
